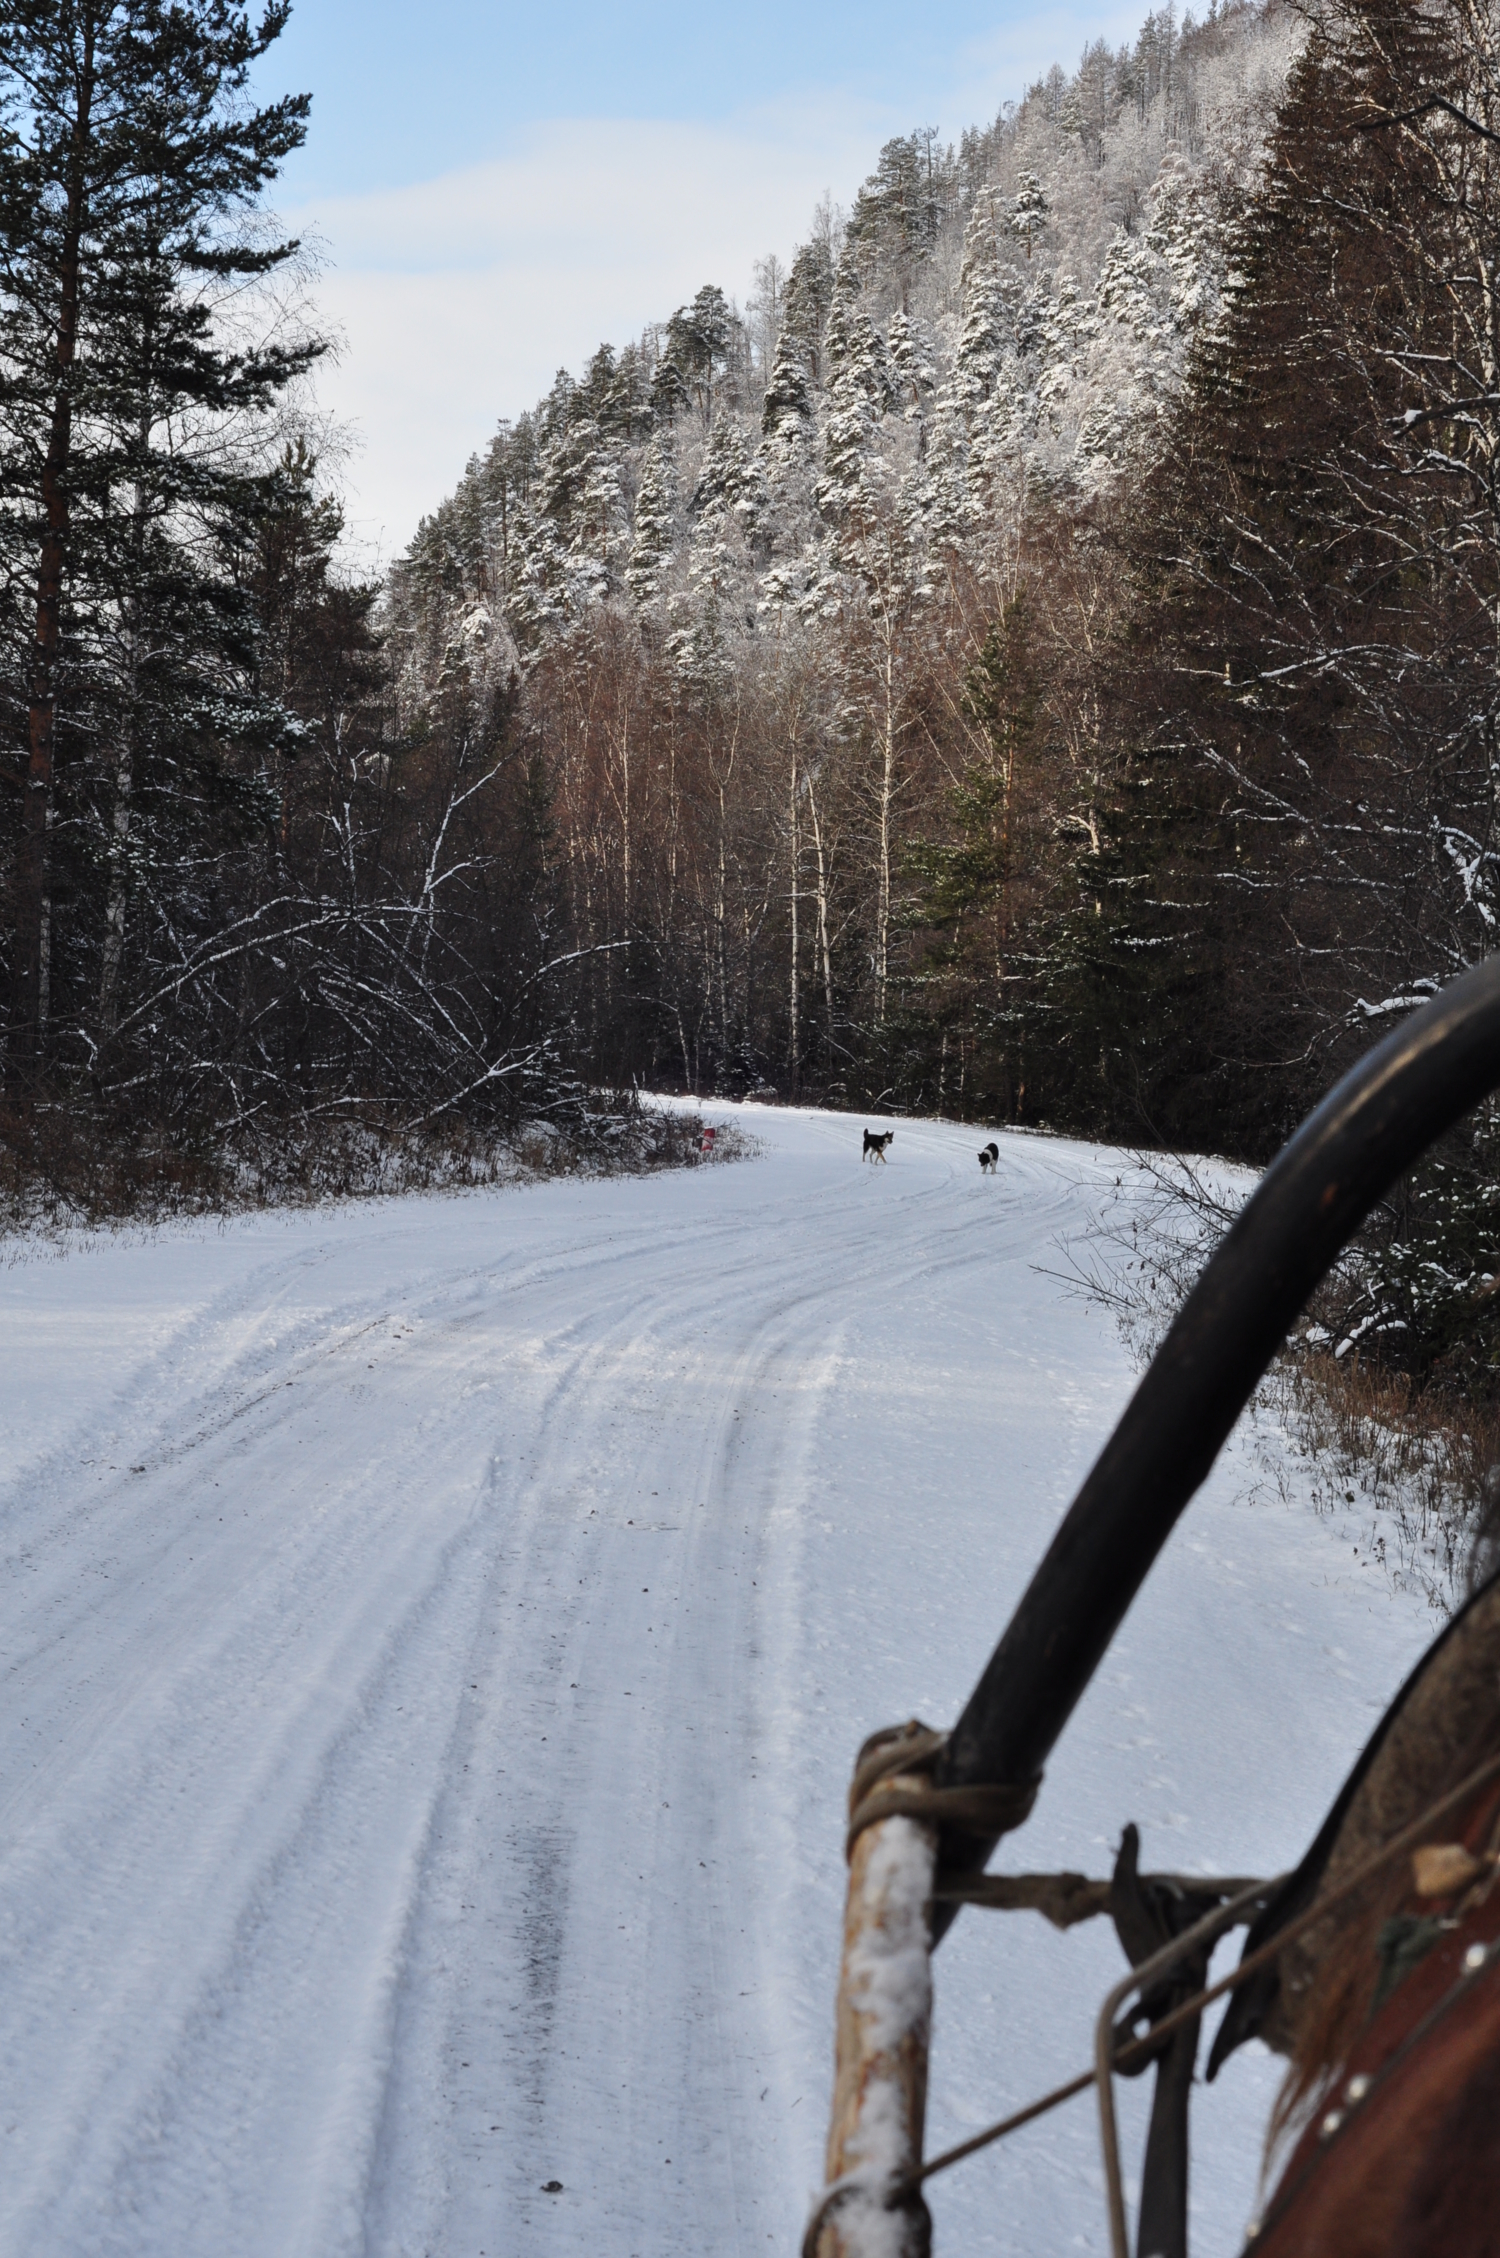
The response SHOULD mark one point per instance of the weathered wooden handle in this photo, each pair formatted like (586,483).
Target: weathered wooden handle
(884,2024)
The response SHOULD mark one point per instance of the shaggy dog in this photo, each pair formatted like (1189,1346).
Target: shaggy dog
(874,1148)
(989,1159)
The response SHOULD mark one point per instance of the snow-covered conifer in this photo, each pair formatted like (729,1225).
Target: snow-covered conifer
(537,607)
(788,397)
(626,409)
(949,515)
(730,488)
(808,300)
(861,388)
(700,339)
(988,296)
(699,643)
(669,391)
(913,361)
(1029,211)
(899,210)
(655,520)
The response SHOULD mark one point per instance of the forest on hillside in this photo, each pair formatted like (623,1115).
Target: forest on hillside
(1034,661)
(807,612)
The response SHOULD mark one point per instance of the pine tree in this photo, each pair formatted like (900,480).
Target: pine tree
(949,510)
(599,378)
(726,508)
(555,412)
(129,152)
(983,408)
(626,412)
(537,604)
(808,301)
(899,210)
(700,342)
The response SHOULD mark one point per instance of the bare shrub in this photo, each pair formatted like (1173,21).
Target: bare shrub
(60,1172)
(1419,1459)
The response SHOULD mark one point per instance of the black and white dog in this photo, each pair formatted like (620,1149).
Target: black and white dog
(874,1148)
(989,1159)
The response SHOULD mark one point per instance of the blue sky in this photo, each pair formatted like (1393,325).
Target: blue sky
(495,189)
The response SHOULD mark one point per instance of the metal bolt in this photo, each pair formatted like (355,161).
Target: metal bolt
(1475,1958)
(1357,2088)
(1330,2124)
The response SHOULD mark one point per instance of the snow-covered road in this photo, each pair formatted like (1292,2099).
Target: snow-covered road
(435,1635)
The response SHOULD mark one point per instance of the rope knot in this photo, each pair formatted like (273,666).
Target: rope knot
(890,1782)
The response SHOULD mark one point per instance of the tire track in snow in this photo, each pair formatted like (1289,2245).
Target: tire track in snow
(405,1794)
(669,2004)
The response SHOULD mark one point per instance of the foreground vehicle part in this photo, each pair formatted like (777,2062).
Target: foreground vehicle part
(934,1822)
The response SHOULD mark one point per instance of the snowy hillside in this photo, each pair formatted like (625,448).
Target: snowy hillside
(1014,311)
(810,617)
(436,1637)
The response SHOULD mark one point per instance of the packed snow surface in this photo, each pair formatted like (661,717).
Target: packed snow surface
(436,1635)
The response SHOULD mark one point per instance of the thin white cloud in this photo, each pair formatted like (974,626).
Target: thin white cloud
(1001,66)
(460,298)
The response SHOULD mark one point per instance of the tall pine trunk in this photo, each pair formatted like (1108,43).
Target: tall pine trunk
(31,966)
(886,804)
(794,1000)
(117,900)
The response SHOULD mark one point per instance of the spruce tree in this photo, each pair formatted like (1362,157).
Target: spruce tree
(788,398)
(861,387)
(669,392)
(913,364)
(1030,210)
(655,521)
